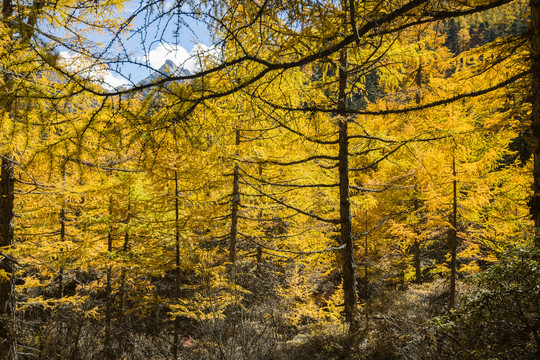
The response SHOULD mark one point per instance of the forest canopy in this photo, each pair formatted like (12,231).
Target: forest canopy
(319,180)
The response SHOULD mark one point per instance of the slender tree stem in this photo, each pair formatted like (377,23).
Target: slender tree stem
(234,211)
(7,184)
(453,239)
(108,292)
(535,114)
(349,278)
(176,340)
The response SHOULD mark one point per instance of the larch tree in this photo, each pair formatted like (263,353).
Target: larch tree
(535,112)
(30,60)
(291,42)
(274,145)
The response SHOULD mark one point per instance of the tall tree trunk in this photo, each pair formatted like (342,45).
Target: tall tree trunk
(123,340)
(125,250)
(416,244)
(417,264)
(7,182)
(535,115)
(62,220)
(349,278)
(8,348)
(260,216)
(366,259)
(108,294)
(176,337)
(417,248)
(452,239)
(234,212)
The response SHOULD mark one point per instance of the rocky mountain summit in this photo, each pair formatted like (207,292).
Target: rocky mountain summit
(169,68)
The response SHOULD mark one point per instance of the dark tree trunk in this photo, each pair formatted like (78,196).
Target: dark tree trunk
(535,115)
(234,212)
(124,339)
(7,182)
(260,216)
(62,220)
(8,349)
(417,264)
(349,278)
(366,259)
(176,337)
(452,240)
(108,295)
(417,246)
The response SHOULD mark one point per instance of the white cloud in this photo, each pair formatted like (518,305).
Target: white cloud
(176,53)
(92,69)
(81,66)
(192,60)
(110,81)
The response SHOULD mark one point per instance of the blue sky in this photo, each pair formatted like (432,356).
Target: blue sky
(153,44)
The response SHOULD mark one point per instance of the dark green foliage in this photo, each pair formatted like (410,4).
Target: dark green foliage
(522,148)
(501,318)
(325,346)
(452,39)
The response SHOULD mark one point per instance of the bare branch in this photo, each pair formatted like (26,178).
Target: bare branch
(296,162)
(412,108)
(328,249)
(288,206)
(379,224)
(288,185)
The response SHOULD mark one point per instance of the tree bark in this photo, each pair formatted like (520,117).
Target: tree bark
(535,115)
(8,349)
(123,339)
(366,259)
(62,220)
(260,216)
(417,246)
(349,278)
(452,240)
(234,212)
(7,182)
(417,264)
(108,294)
(176,337)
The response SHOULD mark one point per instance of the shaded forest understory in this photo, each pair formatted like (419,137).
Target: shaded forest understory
(335,180)
(411,323)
